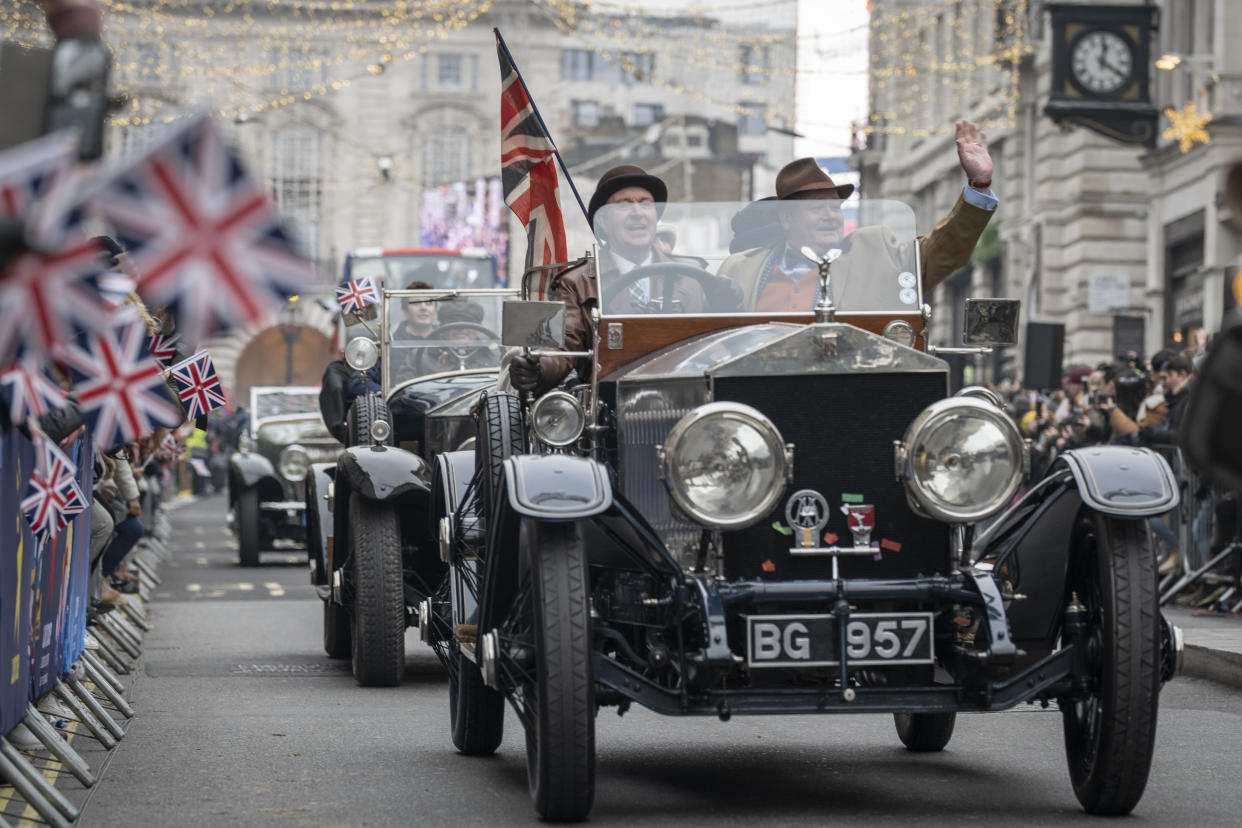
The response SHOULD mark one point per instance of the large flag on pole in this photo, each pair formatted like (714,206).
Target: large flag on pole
(528,166)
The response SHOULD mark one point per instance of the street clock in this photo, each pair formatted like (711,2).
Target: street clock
(1101,58)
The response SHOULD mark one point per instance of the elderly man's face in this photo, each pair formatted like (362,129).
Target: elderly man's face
(815,223)
(630,223)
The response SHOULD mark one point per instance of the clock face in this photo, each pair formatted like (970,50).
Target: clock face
(1102,62)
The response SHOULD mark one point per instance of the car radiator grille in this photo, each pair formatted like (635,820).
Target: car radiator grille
(644,430)
(843,428)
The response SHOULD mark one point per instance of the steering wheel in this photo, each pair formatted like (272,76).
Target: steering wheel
(474,351)
(723,295)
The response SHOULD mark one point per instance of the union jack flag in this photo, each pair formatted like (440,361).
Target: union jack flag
(202,235)
(528,166)
(119,386)
(164,348)
(356,295)
(172,445)
(198,385)
(53,495)
(30,391)
(30,171)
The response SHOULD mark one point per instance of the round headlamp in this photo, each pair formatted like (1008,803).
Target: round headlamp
(361,353)
(962,460)
(293,463)
(380,431)
(557,419)
(725,465)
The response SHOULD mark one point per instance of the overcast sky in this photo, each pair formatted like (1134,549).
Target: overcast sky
(832,74)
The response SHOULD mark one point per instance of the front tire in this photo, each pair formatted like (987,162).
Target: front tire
(378,628)
(1110,735)
(925,732)
(477,712)
(247,517)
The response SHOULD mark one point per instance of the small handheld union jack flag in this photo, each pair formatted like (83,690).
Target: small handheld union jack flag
(119,386)
(172,445)
(53,495)
(31,393)
(356,295)
(203,237)
(164,348)
(198,385)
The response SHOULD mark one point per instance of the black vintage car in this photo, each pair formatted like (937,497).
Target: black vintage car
(267,497)
(374,551)
(776,513)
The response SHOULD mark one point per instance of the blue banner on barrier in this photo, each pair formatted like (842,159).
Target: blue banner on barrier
(73,639)
(17,569)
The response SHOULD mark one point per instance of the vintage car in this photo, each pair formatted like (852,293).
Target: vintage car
(267,497)
(788,513)
(374,552)
(468,268)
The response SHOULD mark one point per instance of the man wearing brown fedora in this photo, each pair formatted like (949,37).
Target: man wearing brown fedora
(875,272)
(624,212)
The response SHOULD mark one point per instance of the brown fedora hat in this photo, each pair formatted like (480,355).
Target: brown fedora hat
(618,178)
(804,179)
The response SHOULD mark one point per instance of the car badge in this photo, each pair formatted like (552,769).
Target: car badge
(807,514)
(860,517)
(906,279)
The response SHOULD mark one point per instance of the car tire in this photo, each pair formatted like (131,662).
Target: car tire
(560,719)
(1110,735)
(476,711)
(500,436)
(336,631)
(365,410)
(925,732)
(247,519)
(378,623)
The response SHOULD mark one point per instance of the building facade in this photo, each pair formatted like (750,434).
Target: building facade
(1126,247)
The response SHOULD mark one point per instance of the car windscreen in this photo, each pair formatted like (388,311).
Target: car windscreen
(277,403)
(751,257)
(285,432)
(435,332)
(398,271)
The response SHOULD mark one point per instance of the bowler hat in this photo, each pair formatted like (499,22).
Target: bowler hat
(618,178)
(804,179)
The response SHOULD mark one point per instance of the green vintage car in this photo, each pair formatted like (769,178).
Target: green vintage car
(267,487)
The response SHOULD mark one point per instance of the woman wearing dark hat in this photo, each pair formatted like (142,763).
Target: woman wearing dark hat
(775,277)
(628,233)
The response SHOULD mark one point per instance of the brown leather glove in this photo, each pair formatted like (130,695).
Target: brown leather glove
(525,372)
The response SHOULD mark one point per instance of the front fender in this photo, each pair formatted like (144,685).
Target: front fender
(557,486)
(1123,481)
(454,469)
(249,468)
(318,518)
(383,472)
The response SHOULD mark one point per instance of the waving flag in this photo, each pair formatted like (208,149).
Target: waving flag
(53,495)
(198,385)
(120,388)
(356,295)
(31,393)
(164,348)
(528,166)
(30,171)
(172,445)
(202,235)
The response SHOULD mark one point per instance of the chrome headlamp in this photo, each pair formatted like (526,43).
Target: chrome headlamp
(557,418)
(725,465)
(380,431)
(361,353)
(962,460)
(293,463)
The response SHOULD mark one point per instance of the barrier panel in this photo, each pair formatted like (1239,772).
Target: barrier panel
(18,563)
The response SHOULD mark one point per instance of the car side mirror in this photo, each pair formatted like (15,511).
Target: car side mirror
(364,314)
(1209,432)
(991,322)
(533,325)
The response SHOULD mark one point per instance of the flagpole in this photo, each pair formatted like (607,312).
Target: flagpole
(535,109)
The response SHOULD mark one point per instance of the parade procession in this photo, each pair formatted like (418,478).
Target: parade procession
(672,412)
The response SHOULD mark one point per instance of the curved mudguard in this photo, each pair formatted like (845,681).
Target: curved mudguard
(454,472)
(1123,481)
(318,505)
(557,486)
(383,472)
(250,468)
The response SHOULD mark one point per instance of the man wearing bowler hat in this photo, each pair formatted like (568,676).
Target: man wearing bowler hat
(627,232)
(875,272)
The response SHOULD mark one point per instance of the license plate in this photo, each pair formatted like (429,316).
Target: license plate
(871,639)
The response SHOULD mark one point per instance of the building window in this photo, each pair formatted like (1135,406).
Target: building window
(446,156)
(637,67)
(625,67)
(576,64)
(296,180)
(647,114)
(694,139)
(752,122)
(584,113)
(448,72)
(753,63)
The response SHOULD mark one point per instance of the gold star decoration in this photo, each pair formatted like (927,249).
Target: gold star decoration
(1188,126)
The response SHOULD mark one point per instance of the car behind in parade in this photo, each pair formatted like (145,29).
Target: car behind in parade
(788,513)
(266,475)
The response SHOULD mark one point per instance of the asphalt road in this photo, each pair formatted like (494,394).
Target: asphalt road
(242,720)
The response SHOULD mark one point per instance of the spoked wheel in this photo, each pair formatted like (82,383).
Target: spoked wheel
(378,627)
(477,711)
(248,534)
(925,732)
(1110,734)
(545,661)
(336,632)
